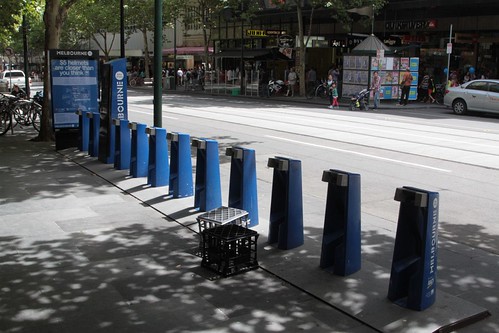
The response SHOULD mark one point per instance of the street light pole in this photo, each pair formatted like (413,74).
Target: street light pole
(158,61)
(241,66)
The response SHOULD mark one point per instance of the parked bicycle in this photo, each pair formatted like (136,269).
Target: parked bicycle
(319,90)
(136,81)
(14,110)
(440,92)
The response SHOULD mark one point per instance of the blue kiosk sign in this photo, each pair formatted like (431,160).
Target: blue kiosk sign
(74,77)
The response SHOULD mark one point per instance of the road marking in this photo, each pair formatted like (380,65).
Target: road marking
(360,154)
(149,113)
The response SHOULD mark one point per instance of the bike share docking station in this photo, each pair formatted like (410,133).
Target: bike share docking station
(122,142)
(139,153)
(208,189)
(83,130)
(180,165)
(286,207)
(158,169)
(242,184)
(414,265)
(94,128)
(341,240)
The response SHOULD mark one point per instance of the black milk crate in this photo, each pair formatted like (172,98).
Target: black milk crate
(229,249)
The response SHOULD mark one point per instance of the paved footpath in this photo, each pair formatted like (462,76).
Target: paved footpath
(87,248)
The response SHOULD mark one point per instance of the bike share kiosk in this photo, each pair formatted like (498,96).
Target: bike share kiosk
(341,239)
(414,265)
(180,165)
(113,106)
(93,141)
(242,185)
(83,130)
(208,189)
(286,207)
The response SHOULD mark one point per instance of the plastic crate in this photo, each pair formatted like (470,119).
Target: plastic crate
(229,249)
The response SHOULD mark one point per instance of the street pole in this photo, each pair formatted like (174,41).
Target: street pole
(242,71)
(242,54)
(25,50)
(175,54)
(448,57)
(158,61)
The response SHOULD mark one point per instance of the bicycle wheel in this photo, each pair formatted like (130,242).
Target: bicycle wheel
(22,114)
(133,82)
(36,115)
(5,121)
(321,92)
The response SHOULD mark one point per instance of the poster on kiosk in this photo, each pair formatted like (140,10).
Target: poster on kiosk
(113,105)
(74,87)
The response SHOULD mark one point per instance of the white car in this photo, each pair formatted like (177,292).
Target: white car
(10,77)
(477,95)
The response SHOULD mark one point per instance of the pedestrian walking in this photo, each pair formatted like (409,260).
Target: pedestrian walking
(376,88)
(406,87)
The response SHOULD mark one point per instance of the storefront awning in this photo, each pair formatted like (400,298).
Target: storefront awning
(255,54)
(187,50)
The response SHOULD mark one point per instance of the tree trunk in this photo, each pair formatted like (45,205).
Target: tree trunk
(54,16)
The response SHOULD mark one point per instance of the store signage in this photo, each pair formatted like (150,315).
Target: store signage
(275,32)
(256,33)
(411,25)
(264,33)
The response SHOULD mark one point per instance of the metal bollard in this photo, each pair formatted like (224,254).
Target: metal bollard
(242,185)
(207,192)
(414,265)
(139,152)
(94,127)
(158,168)
(180,165)
(286,208)
(83,130)
(341,239)
(121,144)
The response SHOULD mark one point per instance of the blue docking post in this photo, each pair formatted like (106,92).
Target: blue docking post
(180,165)
(286,207)
(208,189)
(158,170)
(242,185)
(93,141)
(341,245)
(83,130)
(139,153)
(414,267)
(122,142)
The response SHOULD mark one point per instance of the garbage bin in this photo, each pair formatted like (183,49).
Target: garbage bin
(236,91)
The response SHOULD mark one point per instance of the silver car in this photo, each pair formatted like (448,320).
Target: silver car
(477,95)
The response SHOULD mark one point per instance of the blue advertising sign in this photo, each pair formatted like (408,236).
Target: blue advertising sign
(75,86)
(119,106)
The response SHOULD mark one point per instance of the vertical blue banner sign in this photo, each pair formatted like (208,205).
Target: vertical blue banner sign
(75,86)
(119,105)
